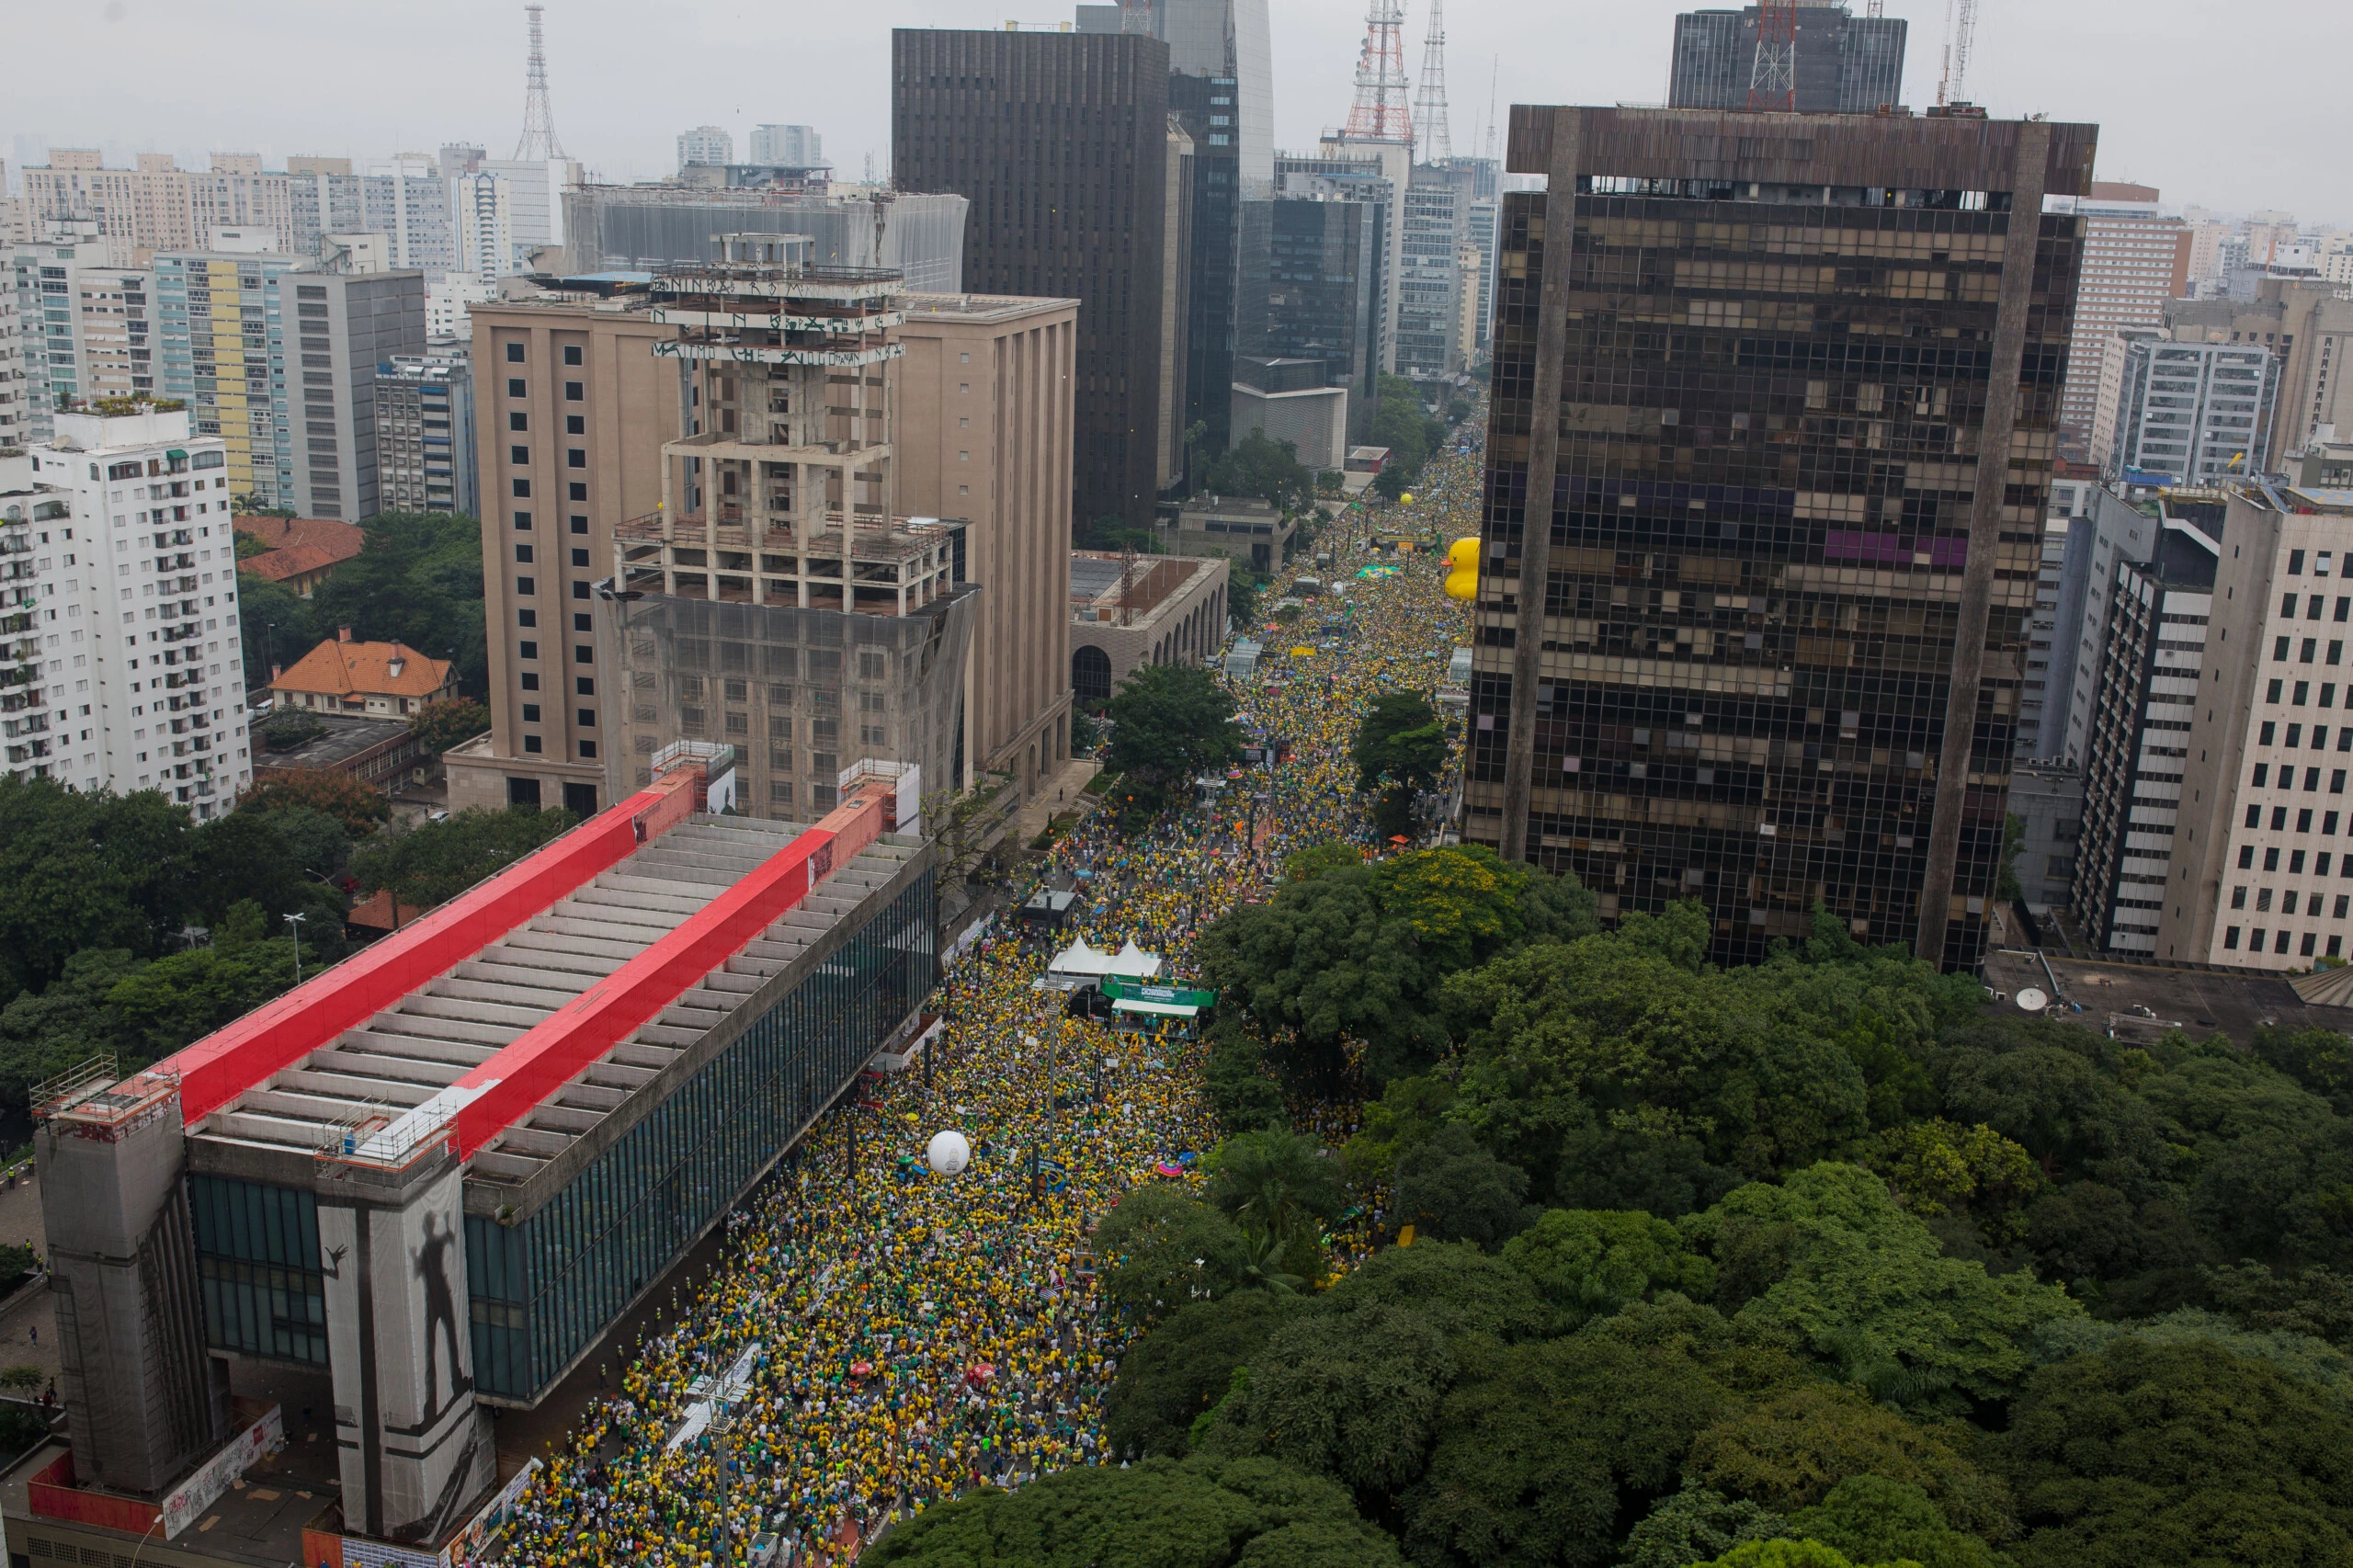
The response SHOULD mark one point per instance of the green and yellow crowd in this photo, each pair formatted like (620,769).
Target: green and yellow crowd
(918,1334)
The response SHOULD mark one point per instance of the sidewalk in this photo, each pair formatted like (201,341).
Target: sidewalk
(1062,793)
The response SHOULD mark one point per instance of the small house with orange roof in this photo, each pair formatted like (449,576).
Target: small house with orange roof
(370,679)
(303,551)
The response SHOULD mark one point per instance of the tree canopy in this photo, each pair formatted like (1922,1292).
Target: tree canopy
(1359,952)
(1399,750)
(1170,723)
(1202,1512)
(417,580)
(1268,469)
(431,862)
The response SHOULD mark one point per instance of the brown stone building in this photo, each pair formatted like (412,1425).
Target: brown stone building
(571,409)
(985,429)
(573,406)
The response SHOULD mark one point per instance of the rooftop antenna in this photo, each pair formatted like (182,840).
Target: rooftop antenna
(538,141)
(1494,69)
(1429,104)
(1380,113)
(1773,74)
(1960,29)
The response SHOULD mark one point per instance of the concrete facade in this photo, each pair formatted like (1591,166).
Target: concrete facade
(339,328)
(1250,532)
(2260,870)
(985,421)
(123,578)
(556,375)
(1126,613)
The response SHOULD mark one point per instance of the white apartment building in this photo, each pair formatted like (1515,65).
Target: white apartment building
(705,144)
(2134,259)
(119,660)
(86,323)
(15,380)
(2148,683)
(796,146)
(2264,875)
(448,298)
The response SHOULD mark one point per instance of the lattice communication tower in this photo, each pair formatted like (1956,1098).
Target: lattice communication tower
(1380,113)
(538,141)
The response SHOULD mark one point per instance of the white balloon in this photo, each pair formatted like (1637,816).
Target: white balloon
(947,1154)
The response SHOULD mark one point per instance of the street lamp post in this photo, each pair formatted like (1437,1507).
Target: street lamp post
(294,929)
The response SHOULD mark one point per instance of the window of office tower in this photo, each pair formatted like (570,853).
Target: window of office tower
(1766,510)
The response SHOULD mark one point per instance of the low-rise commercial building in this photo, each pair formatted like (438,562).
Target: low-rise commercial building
(1244,529)
(1128,611)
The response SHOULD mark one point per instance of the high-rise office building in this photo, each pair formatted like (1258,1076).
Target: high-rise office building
(2134,259)
(1323,298)
(571,412)
(2309,325)
(2200,412)
(1372,176)
(2147,684)
(2261,873)
(985,419)
(339,328)
(1786,562)
(706,144)
(1221,94)
(789,146)
(1435,220)
(1059,143)
(574,407)
(1845,64)
(119,666)
(425,434)
(780,592)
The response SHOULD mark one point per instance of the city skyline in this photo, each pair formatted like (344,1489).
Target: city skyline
(169,101)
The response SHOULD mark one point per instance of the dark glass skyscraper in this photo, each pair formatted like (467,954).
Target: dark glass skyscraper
(1223,93)
(1782,387)
(1060,140)
(1845,63)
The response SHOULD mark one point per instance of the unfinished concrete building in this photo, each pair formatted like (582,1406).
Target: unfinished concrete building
(775,600)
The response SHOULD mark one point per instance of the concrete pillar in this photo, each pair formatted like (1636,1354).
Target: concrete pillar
(415,1449)
(143,1401)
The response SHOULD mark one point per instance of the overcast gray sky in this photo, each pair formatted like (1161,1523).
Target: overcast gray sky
(2232,105)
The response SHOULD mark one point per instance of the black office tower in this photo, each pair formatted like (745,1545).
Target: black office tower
(1322,295)
(1845,63)
(1780,393)
(1060,140)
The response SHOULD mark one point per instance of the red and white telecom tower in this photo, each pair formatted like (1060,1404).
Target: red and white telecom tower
(1773,74)
(1380,113)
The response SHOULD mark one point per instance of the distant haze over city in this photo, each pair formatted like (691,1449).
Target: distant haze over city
(2169,83)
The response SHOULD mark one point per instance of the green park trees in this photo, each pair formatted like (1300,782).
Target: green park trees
(1169,723)
(1813,1263)
(431,862)
(1399,749)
